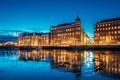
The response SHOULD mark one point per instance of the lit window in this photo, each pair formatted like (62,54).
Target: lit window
(66,30)
(118,32)
(103,37)
(118,27)
(112,32)
(112,37)
(106,28)
(98,26)
(106,24)
(112,27)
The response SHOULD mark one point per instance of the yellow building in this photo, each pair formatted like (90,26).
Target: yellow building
(67,34)
(33,39)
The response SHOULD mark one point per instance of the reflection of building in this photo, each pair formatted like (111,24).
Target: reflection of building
(59,59)
(33,55)
(66,60)
(107,31)
(107,63)
(68,34)
(33,39)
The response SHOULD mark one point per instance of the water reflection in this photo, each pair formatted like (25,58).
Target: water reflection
(59,59)
(107,63)
(82,64)
(66,61)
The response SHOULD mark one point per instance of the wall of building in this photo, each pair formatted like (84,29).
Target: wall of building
(33,39)
(107,32)
(68,34)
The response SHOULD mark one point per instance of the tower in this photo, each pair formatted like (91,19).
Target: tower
(77,21)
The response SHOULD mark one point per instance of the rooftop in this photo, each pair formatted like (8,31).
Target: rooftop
(108,20)
(29,34)
(65,24)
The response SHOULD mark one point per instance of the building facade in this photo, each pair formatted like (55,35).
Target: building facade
(33,39)
(68,34)
(107,31)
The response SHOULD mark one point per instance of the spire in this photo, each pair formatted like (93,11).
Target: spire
(77,15)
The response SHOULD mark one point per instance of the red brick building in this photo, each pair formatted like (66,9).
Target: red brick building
(107,31)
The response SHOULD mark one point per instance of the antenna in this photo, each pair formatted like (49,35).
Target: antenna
(77,13)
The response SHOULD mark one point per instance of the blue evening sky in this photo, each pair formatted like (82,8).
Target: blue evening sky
(40,15)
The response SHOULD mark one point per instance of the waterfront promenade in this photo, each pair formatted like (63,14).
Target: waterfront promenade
(70,47)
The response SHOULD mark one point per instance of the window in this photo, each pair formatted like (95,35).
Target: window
(97,25)
(106,24)
(112,27)
(118,27)
(106,28)
(112,37)
(112,32)
(118,32)
(103,37)
(119,22)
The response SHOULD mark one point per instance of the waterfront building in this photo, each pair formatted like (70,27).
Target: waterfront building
(44,39)
(24,39)
(33,39)
(68,34)
(107,31)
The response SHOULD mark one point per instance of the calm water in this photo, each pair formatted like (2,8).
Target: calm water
(59,65)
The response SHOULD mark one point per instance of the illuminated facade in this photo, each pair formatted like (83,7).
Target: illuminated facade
(33,39)
(107,31)
(68,34)
(61,35)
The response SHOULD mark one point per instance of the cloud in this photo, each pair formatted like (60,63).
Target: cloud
(11,32)
(17,32)
(38,30)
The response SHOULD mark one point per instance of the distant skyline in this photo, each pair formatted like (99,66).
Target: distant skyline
(40,15)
